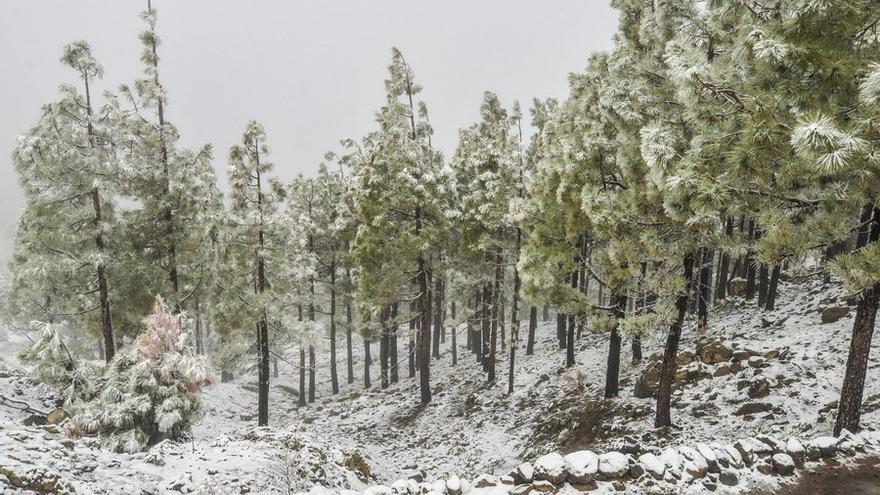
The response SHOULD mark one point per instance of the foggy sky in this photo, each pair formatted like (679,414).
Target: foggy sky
(311,72)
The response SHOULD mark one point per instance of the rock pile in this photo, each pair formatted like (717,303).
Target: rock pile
(674,469)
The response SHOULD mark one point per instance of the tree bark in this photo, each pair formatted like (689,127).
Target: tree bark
(706,266)
(852,390)
(348,347)
(334,378)
(612,372)
(384,344)
(750,264)
(533,324)
(392,346)
(367,360)
(438,317)
(772,288)
(667,370)
(724,265)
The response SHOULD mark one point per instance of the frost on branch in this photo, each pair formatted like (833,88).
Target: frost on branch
(150,391)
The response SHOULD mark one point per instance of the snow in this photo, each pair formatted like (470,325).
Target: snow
(470,428)
(582,463)
(613,464)
(653,465)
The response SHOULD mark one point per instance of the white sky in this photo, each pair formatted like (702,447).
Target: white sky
(311,72)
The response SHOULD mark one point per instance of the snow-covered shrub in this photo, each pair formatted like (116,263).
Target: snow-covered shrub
(150,391)
(54,364)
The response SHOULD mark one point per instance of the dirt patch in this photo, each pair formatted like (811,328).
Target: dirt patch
(835,479)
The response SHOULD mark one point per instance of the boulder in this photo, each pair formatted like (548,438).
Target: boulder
(696,464)
(713,351)
(834,313)
(648,379)
(453,485)
(524,473)
(796,450)
(543,486)
(57,416)
(759,388)
(823,446)
(709,455)
(485,480)
(737,287)
(783,464)
(653,465)
(581,466)
(753,408)
(727,477)
(736,459)
(673,461)
(521,489)
(722,371)
(551,467)
(613,464)
(756,361)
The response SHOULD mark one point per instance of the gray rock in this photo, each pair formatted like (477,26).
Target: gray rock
(728,478)
(833,313)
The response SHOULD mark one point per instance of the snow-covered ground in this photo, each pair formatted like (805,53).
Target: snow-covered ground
(792,367)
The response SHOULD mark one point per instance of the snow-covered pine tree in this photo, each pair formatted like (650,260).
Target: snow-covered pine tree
(397,209)
(62,261)
(180,206)
(255,243)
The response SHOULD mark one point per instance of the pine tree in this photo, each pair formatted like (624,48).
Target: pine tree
(67,169)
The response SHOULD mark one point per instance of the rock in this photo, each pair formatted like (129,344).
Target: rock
(581,466)
(507,480)
(543,486)
(759,388)
(722,371)
(774,443)
(673,461)
(735,367)
(710,457)
(728,478)
(636,471)
(733,454)
(742,355)
(783,464)
(485,480)
(685,357)
(753,408)
(419,476)
(453,485)
(796,450)
(154,458)
(645,386)
(833,313)
(356,463)
(653,465)
(737,287)
(524,473)
(618,486)
(713,351)
(756,361)
(35,420)
(56,417)
(521,489)
(696,464)
(613,464)
(550,467)
(823,446)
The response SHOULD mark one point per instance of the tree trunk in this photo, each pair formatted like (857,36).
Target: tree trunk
(772,288)
(569,338)
(533,324)
(612,372)
(384,344)
(392,346)
(334,379)
(485,326)
(763,283)
(706,266)
(724,265)
(514,314)
(452,335)
(561,323)
(424,300)
(750,264)
(412,356)
(438,317)
(667,370)
(545,313)
(311,373)
(367,360)
(348,346)
(850,403)
(302,363)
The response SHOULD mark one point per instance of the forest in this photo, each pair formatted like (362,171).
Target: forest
(710,183)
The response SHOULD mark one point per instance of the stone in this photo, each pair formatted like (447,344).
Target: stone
(742,355)
(550,467)
(774,443)
(581,466)
(453,485)
(356,463)
(753,408)
(673,461)
(521,489)
(735,367)
(783,464)
(543,486)
(756,361)
(653,465)
(648,379)
(722,371)
(796,450)
(636,471)
(696,464)
(485,480)
(833,313)
(824,446)
(56,417)
(728,478)
(713,351)
(737,287)
(524,473)
(613,464)
(764,468)
(709,455)
(759,388)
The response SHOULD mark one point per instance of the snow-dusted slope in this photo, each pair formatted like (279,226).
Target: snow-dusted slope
(360,438)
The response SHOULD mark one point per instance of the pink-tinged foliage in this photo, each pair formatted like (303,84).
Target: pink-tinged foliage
(149,392)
